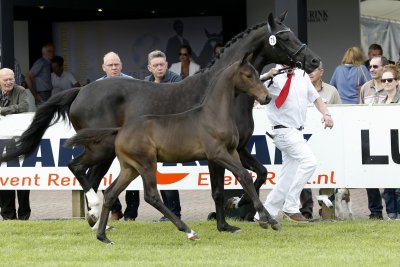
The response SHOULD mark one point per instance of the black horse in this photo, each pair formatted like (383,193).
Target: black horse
(207,131)
(103,104)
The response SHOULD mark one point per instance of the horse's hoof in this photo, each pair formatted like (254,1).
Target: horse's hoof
(193,236)
(229,228)
(276,226)
(263,224)
(234,230)
(104,239)
(232,203)
(91,219)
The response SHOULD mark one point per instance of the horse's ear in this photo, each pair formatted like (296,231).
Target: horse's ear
(271,22)
(246,58)
(282,16)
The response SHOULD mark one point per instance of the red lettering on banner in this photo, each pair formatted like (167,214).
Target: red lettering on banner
(36,179)
(324,179)
(270,178)
(53,179)
(227,180)
(203,179)
(16,181)
(110,180)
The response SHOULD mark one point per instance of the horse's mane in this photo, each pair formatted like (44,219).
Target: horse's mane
(231,42)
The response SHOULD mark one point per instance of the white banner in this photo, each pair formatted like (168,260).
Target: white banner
(361,151)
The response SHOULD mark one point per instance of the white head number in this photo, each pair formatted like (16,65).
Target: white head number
(272,40)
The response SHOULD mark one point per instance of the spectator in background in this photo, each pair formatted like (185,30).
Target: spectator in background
(61,79)
(112,66)
(350,76)
(389,80)
(13,100)
(186,66)
(329,95)
(158,67)
(372,92)
(373,51)
(218,48)
(38,79)
(176,41)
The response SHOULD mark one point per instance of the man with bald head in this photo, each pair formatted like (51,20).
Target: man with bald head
(13,97)
(112,66)
(13,100)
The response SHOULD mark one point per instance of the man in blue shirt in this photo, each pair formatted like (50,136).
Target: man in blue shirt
(158,67)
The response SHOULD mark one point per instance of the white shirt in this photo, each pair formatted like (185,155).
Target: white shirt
(177,67)
(65,81)
(293,111)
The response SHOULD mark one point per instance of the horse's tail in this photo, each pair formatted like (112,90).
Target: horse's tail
(46,115)
(91,136)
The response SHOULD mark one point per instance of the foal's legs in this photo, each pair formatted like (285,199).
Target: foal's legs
(217,188)
(232,163)
(152,197)
(126,175)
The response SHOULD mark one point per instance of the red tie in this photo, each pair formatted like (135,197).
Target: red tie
(284,93)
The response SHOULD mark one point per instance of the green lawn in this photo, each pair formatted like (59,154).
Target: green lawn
(72,243)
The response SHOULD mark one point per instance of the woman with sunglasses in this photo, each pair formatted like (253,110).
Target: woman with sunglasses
(390,84)
(186,66)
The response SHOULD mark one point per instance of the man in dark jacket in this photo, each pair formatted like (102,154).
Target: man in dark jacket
(158,67)
(13,100)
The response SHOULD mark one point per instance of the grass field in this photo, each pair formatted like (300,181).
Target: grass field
(72,243)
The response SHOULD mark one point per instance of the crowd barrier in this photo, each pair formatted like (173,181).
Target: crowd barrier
(361,151)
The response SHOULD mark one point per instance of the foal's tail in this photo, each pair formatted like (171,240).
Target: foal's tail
(89,136)
(47,114)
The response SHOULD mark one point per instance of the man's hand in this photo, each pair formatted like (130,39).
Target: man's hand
(327,119)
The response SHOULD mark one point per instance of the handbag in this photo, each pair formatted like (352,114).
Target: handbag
(358,78)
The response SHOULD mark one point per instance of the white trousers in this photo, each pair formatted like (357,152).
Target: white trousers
(298,165)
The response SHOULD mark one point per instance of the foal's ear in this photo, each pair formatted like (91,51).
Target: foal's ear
(246,58)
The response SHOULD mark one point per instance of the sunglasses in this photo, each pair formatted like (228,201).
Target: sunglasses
(183,54)
(374,66)
(389,80)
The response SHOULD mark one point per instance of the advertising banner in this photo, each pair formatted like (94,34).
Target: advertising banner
(361,151)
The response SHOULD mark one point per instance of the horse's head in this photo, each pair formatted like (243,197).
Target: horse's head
(247,80)
(285,48)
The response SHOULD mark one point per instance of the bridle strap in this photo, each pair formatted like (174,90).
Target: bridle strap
(291,57)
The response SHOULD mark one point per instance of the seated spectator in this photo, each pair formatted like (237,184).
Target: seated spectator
(13,100)
(61,79)
(185,67)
